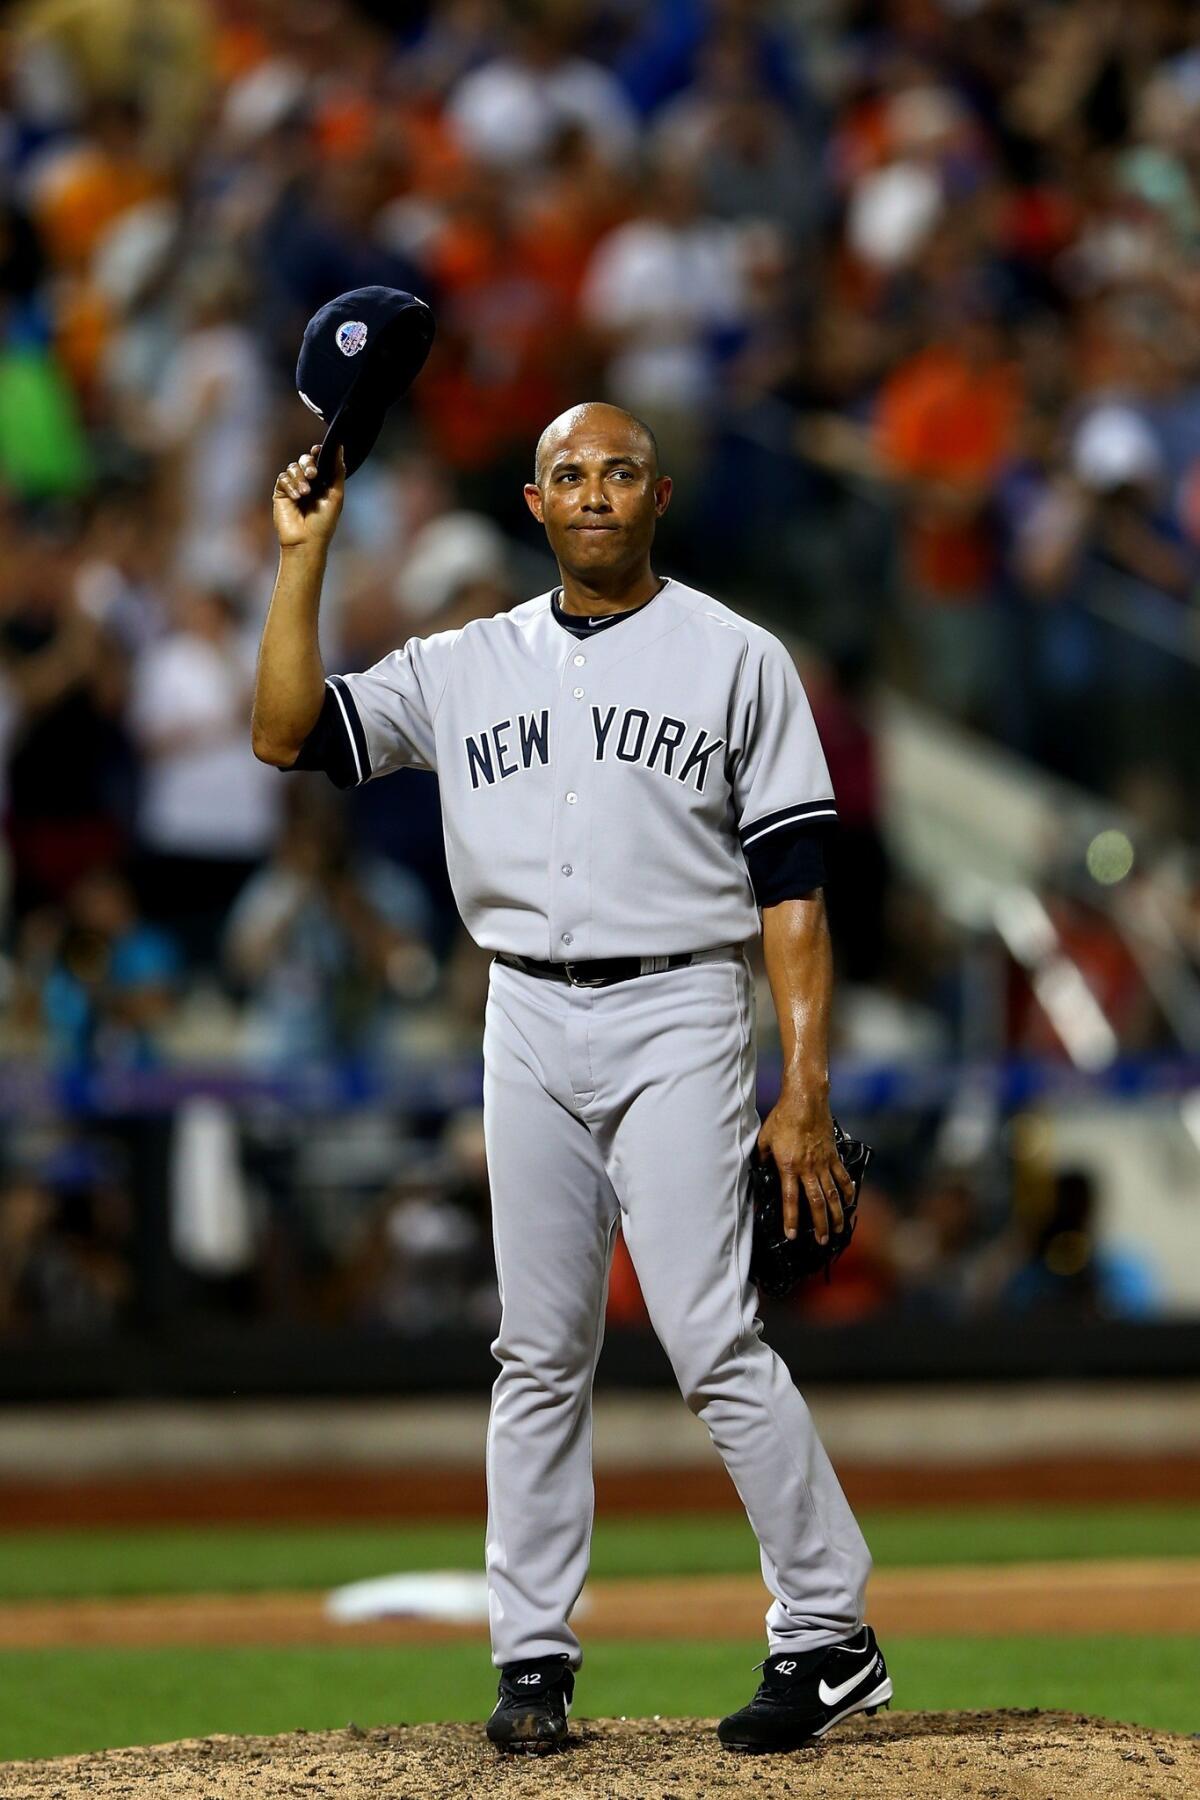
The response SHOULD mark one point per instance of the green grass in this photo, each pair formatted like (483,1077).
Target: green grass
(55,1564)
(55,1702)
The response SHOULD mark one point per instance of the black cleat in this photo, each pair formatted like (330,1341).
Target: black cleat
(801,1696)
(531,1712)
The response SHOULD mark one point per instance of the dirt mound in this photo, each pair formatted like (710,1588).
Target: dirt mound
(900,1756)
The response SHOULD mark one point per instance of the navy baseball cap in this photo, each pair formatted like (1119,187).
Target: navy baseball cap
(360,353)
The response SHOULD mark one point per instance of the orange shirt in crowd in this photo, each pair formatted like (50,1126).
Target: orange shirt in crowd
(76,200)
(943,418)
(495,374)
(80,195)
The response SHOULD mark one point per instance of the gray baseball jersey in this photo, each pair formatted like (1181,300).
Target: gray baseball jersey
(634,785)
(603,796)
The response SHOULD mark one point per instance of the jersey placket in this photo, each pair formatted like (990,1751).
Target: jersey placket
(570,875)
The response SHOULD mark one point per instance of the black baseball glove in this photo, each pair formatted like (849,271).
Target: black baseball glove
(779,1263)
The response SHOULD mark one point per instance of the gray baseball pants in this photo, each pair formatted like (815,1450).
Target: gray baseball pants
(635,1104)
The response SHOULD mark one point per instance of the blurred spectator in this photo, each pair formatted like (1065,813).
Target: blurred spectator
(458,36)
(906,156)
(43,451)
(670,37)
(754,165)
(1051,1258)
(937,1249)
(124,334)
(497,372)
(512,109)
(322,940)
(67,772)
(63,1257)
(1119,472)
(422,1259)
(559,221)
(207,811)
(1097,529)
(323,230)
(658,292)
(946,426)
(80,184)
(456,570)
(210,419)
(118,583)
(107,52)
(103,980)
(728,123)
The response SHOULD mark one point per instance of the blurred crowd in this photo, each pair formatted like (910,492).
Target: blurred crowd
(380,1224)
(908,290)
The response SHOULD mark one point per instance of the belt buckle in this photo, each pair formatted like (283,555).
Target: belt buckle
(574,980)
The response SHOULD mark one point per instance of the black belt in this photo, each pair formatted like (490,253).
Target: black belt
(604,973)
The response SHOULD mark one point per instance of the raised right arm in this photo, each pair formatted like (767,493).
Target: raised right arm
(289,690)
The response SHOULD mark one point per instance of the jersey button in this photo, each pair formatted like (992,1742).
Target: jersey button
(567,938)
(578,693)
(571,799)
(567,869)
(579,661)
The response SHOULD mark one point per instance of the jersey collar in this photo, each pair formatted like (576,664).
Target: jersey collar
(581,628)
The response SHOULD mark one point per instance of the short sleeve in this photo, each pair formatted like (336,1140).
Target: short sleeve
(787,864)
(383,718)
(779,776)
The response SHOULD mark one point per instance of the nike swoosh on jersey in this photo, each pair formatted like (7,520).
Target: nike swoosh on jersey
(831,1695)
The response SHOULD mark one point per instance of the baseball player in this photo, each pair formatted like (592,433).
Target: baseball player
(630,779)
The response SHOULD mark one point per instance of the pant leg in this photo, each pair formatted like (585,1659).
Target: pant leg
(676,1082)
(554,1219)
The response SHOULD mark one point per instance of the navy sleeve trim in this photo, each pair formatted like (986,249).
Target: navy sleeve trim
(788,862)
(354,726)
(330,745)
(801,814)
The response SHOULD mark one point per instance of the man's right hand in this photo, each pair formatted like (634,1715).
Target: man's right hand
(299,518)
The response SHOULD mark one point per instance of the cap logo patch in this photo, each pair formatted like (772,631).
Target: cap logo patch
(350,337)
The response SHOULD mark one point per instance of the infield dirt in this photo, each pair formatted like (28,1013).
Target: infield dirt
(899,1756)
(1140,1595)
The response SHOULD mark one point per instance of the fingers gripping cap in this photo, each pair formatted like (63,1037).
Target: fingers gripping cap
(360,354)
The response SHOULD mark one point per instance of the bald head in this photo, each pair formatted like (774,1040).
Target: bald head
(592,423)
(599,496)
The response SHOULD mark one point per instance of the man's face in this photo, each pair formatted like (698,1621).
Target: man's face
(599,496)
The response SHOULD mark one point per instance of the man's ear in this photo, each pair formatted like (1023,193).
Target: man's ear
(663,488)
(533,500)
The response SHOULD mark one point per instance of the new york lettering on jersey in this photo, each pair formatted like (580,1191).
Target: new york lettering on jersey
(509,746)
(649,785)
(492,755)
(633,741)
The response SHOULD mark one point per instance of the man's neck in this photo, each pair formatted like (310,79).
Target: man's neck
(591,600)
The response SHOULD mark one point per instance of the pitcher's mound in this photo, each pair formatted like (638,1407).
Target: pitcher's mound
(899,1756)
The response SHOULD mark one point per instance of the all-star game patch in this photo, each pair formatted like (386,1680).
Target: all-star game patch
(350,337)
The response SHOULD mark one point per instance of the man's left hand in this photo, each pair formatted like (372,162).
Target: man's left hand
(798,1133)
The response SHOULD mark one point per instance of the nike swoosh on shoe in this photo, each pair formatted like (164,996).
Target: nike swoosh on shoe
(831,1695)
